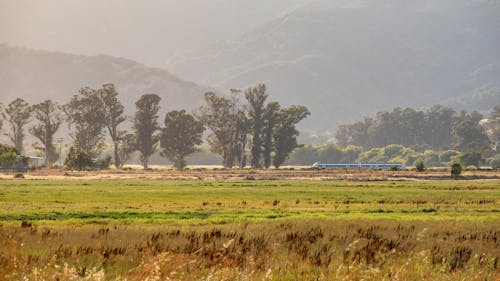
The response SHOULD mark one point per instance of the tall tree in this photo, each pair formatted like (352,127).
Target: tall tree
(18,115)
(146,125)
(271,115)
(227,120)
(469,135)
(113,112)
(85,114)
(180,136)
(49,119)
(256,97)
(285,136)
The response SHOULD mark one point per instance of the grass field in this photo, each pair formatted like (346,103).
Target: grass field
(249,230)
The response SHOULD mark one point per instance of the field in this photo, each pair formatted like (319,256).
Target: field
(249,226)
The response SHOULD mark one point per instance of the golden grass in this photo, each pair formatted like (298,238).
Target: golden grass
(286,250)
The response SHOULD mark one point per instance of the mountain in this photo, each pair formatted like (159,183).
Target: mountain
(349,58)
(38,75)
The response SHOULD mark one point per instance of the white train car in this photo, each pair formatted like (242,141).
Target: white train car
(375,166)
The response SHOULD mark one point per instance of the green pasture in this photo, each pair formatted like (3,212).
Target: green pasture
(211,202)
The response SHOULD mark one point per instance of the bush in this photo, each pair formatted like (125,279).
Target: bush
(456,169)
(420,166)
(78,159)
(9,156)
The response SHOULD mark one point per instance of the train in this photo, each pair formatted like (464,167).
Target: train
(375,166)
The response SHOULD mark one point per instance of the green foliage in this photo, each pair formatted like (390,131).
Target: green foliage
(77,159)
(85,115)
(227,120)
(469,135)
(285,134)
(431,158)
(330,153)
(393,150)
(271,117)
(351,153)
(256,97)
(146,125)
(180,136)
(447,155)
(471,158)
(420,166)
(113,117)
(304,155)
(9,156)
(434,128)
(456,169)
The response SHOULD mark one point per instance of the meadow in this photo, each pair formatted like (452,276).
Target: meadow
(249,229)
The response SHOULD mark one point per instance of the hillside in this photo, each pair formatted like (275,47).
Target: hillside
(37,75)
(345,59)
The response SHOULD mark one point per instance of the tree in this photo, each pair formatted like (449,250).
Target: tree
(18,115)
(456,169)
(180,136)
(49,117)
(146,125)
(419,165)
(471,158)
(256,97)
(227,121)
(271,115)
(351,153)
(469,135)
(113,117)
(285,136)
(85,113)
(126,146)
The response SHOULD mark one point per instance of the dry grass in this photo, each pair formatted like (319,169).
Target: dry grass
(215,173)
(286,250)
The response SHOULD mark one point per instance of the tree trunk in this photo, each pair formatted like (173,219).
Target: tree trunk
(118,163)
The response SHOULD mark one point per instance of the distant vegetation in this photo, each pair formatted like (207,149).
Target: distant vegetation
(437,137)
(240,128)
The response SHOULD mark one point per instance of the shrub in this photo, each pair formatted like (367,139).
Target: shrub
(456,169)
(78,159)
(419,165)
(9,157)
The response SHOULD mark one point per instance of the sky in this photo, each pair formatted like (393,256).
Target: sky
(149,31)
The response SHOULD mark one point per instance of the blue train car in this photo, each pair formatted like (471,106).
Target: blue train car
(375,166)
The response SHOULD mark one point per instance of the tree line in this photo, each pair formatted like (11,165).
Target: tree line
(242,127)
(436,128)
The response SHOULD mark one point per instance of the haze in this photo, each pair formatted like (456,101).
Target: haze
(148,31)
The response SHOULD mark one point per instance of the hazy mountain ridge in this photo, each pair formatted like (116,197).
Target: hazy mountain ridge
(36,75)
(349,58)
